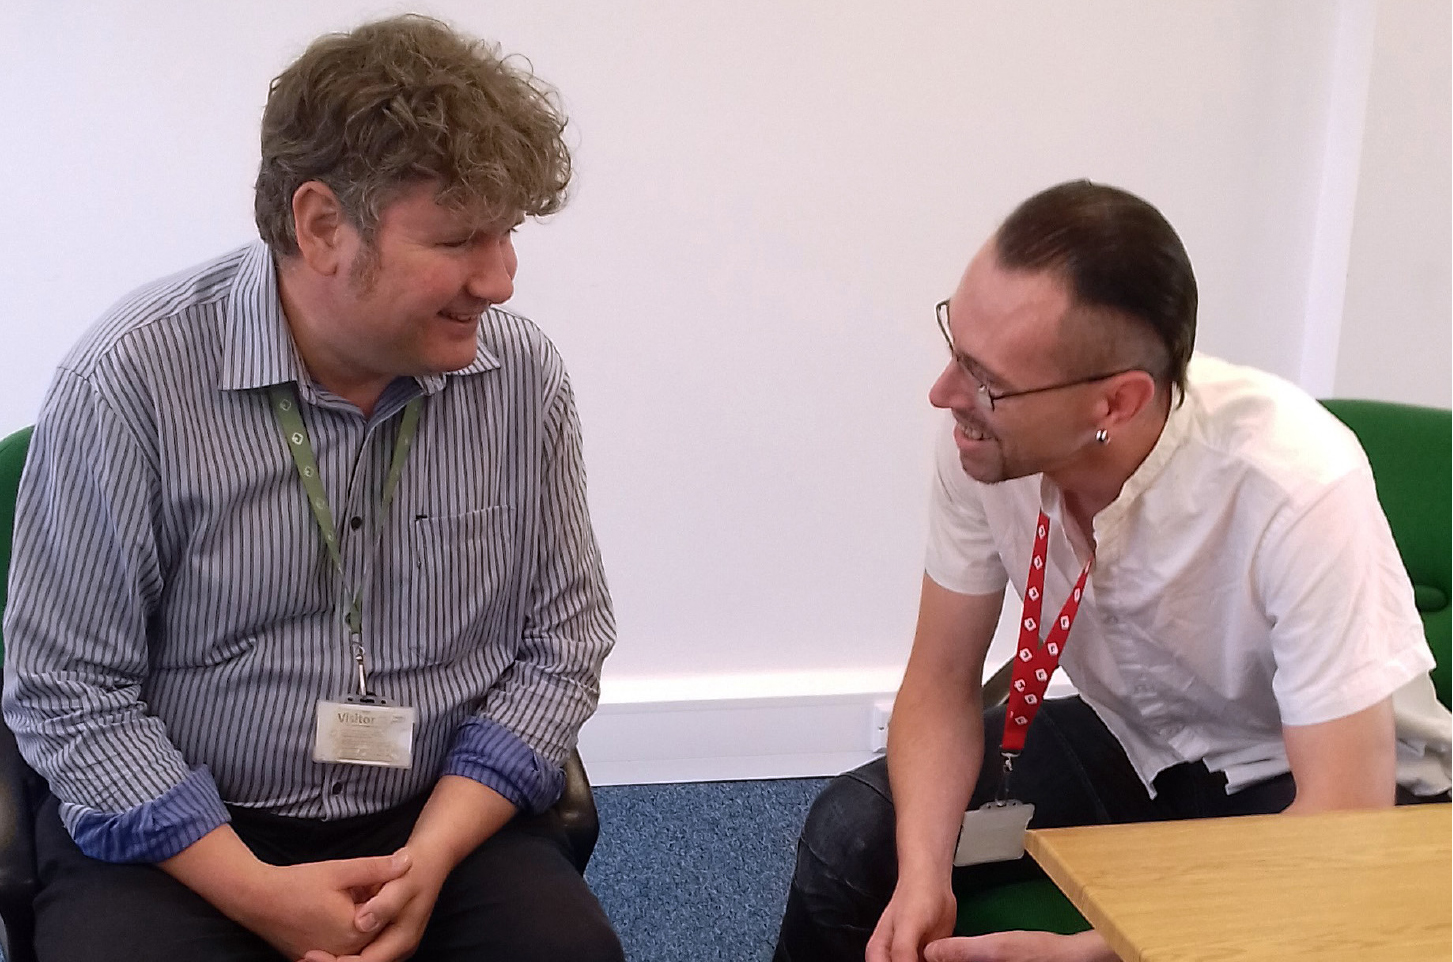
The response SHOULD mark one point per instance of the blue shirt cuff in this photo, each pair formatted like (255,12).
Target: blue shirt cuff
(153,831)
(495,757)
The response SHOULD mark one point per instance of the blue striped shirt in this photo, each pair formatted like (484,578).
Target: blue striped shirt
(173,615)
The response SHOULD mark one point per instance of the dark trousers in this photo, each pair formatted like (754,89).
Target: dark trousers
(516,897)
(1073,771)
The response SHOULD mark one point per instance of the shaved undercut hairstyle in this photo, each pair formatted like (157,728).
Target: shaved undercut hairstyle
(1132,290)
(403,101)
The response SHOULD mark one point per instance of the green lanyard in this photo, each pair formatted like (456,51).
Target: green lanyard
(285,407)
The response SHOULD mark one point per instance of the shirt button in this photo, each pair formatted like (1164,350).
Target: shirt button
(337,788)
(355,522)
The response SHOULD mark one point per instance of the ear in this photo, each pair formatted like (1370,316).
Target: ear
(323,232)
(1125,396)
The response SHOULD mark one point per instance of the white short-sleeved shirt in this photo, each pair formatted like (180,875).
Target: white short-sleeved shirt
(1245,578)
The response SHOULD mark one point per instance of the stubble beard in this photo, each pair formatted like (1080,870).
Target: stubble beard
(363,269)
(992,473)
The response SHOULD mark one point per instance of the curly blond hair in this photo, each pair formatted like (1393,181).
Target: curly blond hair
(403,101)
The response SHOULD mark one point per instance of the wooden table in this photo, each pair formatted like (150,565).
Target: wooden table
(1370,886)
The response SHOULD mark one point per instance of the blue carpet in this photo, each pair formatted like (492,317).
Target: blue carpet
(698,871)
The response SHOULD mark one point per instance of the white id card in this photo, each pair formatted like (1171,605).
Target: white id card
(994,833)
(364,733)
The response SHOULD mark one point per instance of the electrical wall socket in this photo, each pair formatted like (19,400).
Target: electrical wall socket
(879,717)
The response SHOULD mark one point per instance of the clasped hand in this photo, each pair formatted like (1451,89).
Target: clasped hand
(392,920)
(385,918)
(349,910)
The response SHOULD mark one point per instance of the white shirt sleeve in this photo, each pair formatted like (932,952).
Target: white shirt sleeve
(1345,632)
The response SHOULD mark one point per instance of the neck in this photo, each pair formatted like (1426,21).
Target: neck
(1092,482)
(303,305)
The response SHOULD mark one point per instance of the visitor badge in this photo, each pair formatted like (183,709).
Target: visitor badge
(364,731)
(993,833)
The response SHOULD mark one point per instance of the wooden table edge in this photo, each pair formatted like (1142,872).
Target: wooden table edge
(1037,845)
(1060,874)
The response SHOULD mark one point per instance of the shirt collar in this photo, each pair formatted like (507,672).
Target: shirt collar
(483,361)
(257,347)
(1178,425)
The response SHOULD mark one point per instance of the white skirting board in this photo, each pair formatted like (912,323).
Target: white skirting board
(722,739)
(729,727)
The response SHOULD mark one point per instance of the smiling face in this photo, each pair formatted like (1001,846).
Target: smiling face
(1007,327)
(407,301)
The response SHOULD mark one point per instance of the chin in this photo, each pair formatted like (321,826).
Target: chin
(451,359)
(984,474)
(995,473)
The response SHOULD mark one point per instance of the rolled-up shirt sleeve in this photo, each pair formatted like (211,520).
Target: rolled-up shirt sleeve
(84,580)
(496,757)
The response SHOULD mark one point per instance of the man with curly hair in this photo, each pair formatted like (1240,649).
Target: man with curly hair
(307,610)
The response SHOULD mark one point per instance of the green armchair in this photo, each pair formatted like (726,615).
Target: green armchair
(1409,448)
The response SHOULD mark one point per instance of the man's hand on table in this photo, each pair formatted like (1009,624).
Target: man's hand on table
(1021,947)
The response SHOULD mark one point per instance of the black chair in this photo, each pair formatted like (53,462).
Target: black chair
(19,784)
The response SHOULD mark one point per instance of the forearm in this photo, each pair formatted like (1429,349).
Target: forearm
(936,743)
(1346,763)
(222,870)
(935,748)
(459,816)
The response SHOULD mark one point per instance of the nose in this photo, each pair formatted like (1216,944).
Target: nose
(952,388)
(492,270)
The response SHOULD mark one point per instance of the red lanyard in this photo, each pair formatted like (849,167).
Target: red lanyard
(1034,662)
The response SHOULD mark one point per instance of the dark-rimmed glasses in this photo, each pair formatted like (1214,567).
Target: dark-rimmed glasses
(987,398)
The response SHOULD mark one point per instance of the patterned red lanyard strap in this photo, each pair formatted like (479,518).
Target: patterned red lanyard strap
(1035,663)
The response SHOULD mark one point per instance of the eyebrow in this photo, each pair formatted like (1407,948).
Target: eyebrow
(464,222)
(976,367)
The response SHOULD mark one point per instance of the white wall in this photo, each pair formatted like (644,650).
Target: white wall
(1395,337)
(771,196)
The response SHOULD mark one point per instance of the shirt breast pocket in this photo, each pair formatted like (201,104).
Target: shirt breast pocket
(464,583)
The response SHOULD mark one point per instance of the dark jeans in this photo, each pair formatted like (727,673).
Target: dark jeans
(1072,769)
(516,897)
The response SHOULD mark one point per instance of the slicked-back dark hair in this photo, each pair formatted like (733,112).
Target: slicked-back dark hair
(1115,253)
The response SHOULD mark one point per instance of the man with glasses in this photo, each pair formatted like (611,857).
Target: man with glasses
(1200,543)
